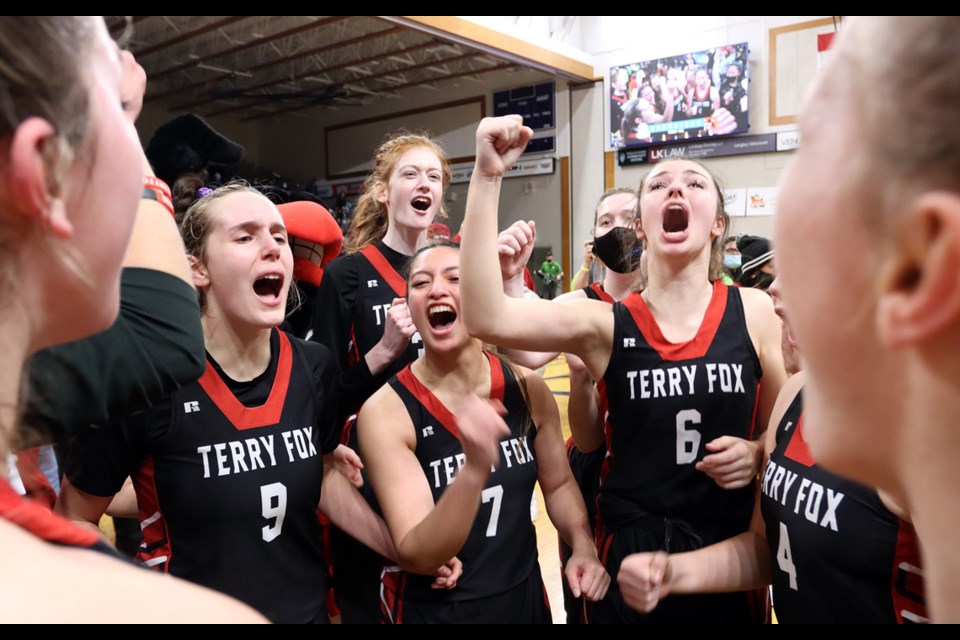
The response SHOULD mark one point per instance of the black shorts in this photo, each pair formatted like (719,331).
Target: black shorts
(525,603)
(744,607)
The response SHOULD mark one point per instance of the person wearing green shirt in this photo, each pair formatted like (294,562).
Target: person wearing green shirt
(552,273)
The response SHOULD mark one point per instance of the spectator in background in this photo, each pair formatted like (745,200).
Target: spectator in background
(552,273)
(731,260)
(757,268)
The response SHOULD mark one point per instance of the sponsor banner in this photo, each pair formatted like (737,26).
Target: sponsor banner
(788,140)
(741,145)
(761,201)
(460,173)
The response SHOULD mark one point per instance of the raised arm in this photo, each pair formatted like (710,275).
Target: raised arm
(585,573)
(426,535)
(490,315)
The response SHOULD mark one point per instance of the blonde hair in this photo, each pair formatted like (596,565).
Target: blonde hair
(716,244)
(909,144)
(370,220)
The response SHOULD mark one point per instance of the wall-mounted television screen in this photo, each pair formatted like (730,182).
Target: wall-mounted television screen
(684,97)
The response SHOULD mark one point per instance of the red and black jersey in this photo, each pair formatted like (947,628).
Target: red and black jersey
(355,293)
(663,402)
(501,550)
(837,553)
(228,478)
(595,291)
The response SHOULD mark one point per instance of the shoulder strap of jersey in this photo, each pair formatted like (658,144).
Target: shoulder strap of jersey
(376,258)
(423,395)
(497,381)
(598,292)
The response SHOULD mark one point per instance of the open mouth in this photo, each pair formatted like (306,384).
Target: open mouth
(269,286)
(675,219)
(441,317)
(421,203)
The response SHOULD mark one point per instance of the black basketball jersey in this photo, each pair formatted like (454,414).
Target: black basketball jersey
(228,493)
(662,402)
(501,550)
(837,553)
(701,106)
(595,291)
(355,294)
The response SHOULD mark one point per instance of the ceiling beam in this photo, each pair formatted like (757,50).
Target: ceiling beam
(301,76)
(271,63)
(499,67)
(504,46)
(187,35)
(316,24)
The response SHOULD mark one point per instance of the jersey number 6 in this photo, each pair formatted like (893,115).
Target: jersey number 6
(688,440)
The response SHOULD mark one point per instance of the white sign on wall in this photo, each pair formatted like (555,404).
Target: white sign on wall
(761,201)
(735,202)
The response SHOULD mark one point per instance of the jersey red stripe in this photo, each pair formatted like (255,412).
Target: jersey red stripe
(797,447)
(386,271)
(695,348)
(251,417)
(156,550)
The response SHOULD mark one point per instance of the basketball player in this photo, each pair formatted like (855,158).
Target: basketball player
(362,316)
(73,174)
(881,398)
(414,448)
(229,471)
(679,366)
(834,550)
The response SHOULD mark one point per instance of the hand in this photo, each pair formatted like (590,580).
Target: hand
(733,462)
(500,141)
(588,256)
(515,245)
(644,580)
(587,577)
(448,574)
(348,464)
(723,122)
(133,85)
(398,328)
(481,427)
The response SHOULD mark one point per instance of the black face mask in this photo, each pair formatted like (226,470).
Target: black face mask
(619,250)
